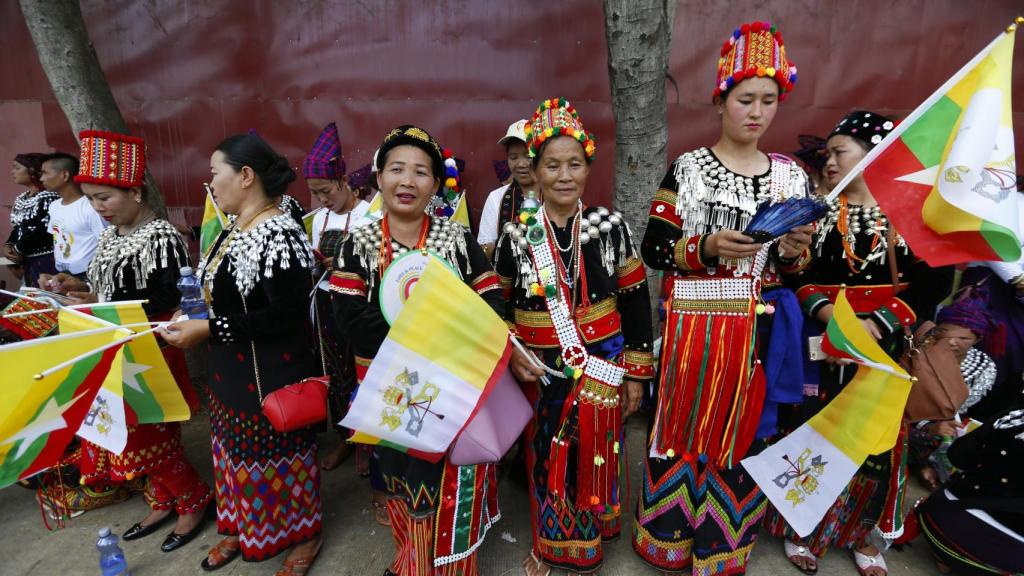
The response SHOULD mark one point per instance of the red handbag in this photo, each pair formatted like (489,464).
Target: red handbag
(297,405)
(294,406)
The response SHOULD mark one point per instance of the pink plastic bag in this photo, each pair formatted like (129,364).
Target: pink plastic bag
(496,425)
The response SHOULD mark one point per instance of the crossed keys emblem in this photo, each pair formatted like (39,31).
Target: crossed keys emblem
(803,473)
(403,397)
(99,416)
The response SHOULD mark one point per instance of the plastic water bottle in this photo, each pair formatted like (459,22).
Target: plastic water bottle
(112,562)
(192,303)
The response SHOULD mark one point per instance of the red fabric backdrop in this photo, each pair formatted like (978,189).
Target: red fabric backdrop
(186,74)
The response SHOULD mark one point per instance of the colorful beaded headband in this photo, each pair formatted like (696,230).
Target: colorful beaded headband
(556,117)
(111,159)
(754,50)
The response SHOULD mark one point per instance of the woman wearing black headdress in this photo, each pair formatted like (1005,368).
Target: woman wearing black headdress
(851,251)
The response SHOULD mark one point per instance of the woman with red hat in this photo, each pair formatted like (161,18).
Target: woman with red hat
(139,257)
(726,308)
(578,299)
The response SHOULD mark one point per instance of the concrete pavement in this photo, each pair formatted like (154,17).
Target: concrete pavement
(354,544)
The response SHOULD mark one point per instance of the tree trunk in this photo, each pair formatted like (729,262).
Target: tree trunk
(69,60)
(639,34)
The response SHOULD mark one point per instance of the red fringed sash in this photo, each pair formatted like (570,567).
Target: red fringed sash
(712,385)
(592,421)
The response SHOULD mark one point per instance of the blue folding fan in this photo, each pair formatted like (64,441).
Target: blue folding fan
(772,221)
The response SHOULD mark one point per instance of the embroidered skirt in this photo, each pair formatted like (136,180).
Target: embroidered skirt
(694,514)
(267,483)
(440,513)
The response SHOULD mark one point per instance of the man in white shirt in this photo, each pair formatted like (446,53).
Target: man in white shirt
(74,224)
(503,203)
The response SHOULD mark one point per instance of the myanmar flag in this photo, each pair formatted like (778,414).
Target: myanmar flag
(214,223)
(443,356)
(39,416)
(946,176)
(151,394)
(805,472)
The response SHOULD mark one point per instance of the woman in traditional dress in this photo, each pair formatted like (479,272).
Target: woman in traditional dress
(975,525)
(30,244)
(964,327)
(1003,283)
(342,211)
(698,509)
(256,280)
(578,298)
(139,257)
(439,512)
(851,249)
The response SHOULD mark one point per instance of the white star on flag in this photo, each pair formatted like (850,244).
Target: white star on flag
(926,177)
(49,420)
(130,370)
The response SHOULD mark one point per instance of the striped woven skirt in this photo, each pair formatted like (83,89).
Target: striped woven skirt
(694,515)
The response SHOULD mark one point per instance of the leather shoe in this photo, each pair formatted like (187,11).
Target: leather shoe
(175,540)
(139,531)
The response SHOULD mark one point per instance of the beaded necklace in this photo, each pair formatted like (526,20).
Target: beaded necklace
(224,247)
(387,251)
(572,276)
(850,220)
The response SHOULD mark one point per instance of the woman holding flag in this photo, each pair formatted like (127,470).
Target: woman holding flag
(137,258)
(852,248)
(421,495)
(256,280)
(578,298)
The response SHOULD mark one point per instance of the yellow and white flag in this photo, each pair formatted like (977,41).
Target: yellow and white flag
(804,473)
(443,355)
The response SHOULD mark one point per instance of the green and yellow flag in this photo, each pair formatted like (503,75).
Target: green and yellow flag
(214,223)
(41,412)
(151,394)
(946,176)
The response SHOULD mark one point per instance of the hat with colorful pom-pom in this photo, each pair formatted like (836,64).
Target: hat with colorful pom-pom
(754,50)
(556,117)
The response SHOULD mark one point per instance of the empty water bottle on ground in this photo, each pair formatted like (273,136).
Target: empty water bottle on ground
(192,302)
(112,562)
